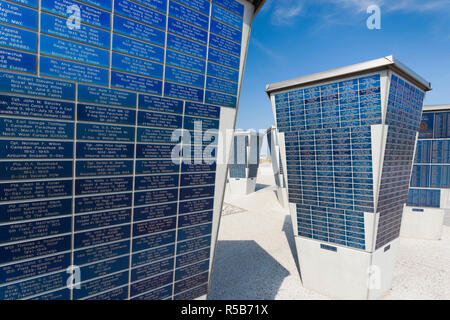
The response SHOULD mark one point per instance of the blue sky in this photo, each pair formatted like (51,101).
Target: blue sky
(292,38)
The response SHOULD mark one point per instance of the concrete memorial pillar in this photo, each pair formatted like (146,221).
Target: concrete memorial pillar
(244,162)
(349,136)
(429,194)
(277,165)
(94,202)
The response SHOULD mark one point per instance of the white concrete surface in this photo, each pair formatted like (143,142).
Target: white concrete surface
(426,225)
(256,254)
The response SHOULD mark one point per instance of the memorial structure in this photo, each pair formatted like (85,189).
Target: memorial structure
(244,162)
(273,142)
(94,204)
(349,138)
(429,194)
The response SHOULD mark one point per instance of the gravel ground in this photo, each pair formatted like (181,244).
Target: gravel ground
(255,254)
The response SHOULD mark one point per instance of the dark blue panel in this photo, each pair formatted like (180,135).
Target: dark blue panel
(62,295)
(223,58)
(102,252)
(70,71)
(192,257)
(192,282)
(137,48)
(220,99)
(154,119)
(18,16)
(34,210)
(151,283)
(187,31)
(226,31)
(156,182)
(57,26)
(136,66)
(34,249)
(184,77)
(153,226)
(135,83)
(442,125)
(426,126)
(22,128)
(193,294)
(18,38)
(186,46)
(221,85)
(160,5)
(194,179)
(22,289)
(88,15)
(183,92)
(35,229)
(149,256)
(153,241)
(184,61)
(88,131)
(96,286)
(150,135)
(150,270)
(194,232)
(37,108)
(158,294)
(192,245)
(153,103)
(104,4)
(156,166)
(232,5)
(116,294)
(86,150)
(194,219)
(154,212)
(196,205)
(224,45)
(19,170)
(110,97)
(138,30)
(21,84)
(104,168)
(202,110)
(35,190)
(140,13)
(191,16)
(73,51)
(92,113)
(95,237)
(101,219)
(97,203)
(103,185)
(30,3)
(191,270)
(192,167)
(103,268)
(199,5)
(226,17)
(154,197)
(18,61)
(219,71)
(191,123)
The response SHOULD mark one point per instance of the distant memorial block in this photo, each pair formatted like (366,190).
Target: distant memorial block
(90,95)
(273,141)
(244,162)
(349,137)
(429,193)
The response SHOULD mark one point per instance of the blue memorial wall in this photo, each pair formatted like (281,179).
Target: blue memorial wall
(90,92)
(431,170)
(242,164)
(329,155)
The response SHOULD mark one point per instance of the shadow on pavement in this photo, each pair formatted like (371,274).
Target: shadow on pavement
(260,186)
(243,270)
(289,232)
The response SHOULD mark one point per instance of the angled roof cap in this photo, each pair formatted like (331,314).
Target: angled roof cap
(439,107)
(388,62)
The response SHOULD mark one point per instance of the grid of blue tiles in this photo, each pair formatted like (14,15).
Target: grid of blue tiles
(329,156)
(403,117)
(183,49)
(431,171)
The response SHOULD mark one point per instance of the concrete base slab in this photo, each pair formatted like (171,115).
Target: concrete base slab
(242,186)
(344,273)
(424,223)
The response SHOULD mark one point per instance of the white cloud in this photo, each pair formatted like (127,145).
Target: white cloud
(284,12)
